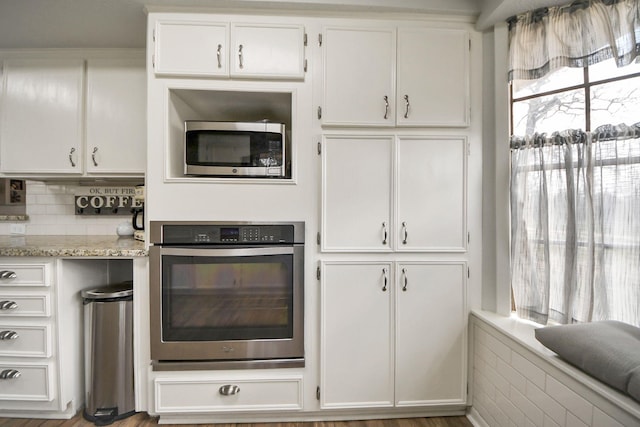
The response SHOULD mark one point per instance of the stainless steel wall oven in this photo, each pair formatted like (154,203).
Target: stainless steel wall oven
(226,295)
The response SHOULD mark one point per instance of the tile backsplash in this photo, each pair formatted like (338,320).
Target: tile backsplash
(51,211)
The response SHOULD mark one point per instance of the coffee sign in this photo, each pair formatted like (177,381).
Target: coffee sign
(106,201)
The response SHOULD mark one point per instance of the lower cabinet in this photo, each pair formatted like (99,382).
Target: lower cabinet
(393,334)
(209,393)
(29,374)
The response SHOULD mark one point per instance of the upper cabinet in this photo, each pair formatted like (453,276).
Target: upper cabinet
(73,115)
(359,76)
(41,116)
(116,116)
(395,77)
(220,49)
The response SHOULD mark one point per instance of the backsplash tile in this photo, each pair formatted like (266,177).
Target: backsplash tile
(51,211)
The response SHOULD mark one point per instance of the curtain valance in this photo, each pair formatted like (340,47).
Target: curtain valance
(577,35)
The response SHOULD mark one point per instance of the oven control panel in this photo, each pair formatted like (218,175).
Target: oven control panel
(228,234)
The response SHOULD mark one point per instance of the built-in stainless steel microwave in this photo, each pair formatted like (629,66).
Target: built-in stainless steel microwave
(239,149)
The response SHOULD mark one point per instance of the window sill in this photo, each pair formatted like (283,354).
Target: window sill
(522,333)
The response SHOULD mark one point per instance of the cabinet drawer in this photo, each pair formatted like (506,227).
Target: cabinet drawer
(26,382)
(183,396)
(37,274)
(24,305)
(25,341)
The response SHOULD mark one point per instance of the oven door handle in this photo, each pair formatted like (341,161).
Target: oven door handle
(287,250)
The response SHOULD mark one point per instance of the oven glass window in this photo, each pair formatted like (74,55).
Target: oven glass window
(227,298)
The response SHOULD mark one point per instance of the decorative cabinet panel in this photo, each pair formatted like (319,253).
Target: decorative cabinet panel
(418,206)
(50,128)
(393,334)
(201,395)
(219,49)
(359,76)
(116,116)
(431,194)
(395,77)
(267,51)
(191,48)
(41,126)
(356,335)
(356,193)
(433,77)
(430,324)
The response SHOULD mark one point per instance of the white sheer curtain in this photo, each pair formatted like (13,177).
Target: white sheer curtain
(575,212)
(577,35)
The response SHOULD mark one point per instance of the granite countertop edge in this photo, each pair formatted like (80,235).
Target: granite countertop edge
(71,246)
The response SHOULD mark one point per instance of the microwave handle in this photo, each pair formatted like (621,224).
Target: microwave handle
(196,251)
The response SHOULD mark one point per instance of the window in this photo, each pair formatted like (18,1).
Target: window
(575,98)
(575,194)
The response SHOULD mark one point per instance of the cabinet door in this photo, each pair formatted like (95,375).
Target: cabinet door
(359,76)
(271,51)
(356,193)
(430,334)
(433,77)
(191,48)
(116,116)
(356,335)
(41,126)
(431,194)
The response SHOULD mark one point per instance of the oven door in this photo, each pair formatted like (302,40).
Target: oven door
(226,304)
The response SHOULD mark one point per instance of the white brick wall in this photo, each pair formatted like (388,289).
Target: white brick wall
(515,384)
(50,208)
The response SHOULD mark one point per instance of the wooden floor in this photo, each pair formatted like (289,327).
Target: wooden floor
(144,420)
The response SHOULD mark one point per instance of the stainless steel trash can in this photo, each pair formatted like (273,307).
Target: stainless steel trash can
(108,326)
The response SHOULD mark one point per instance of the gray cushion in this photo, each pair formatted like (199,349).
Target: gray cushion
(607,350)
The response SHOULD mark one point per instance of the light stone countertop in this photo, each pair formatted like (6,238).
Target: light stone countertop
(71,246)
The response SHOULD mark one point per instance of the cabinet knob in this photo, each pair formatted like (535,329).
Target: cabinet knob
(73,164)
(405,233)
(407,105)
(240,63)
(386,107)
(405,280)
(7,274)
(384,233)
(385,280)
(219,55)
(9,374)
(8,305)
(8,335)
(229,390)
(93,156)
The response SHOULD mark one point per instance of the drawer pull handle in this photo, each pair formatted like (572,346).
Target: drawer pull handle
(9,374)
(8,305)
(8,335)
(7,274)
(229,390)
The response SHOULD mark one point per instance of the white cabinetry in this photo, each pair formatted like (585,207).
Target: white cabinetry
(41,127)
(29,374)
(228,393)
(393,334)
(395,77)
(116,116)
(221,49)
(359,76)
(73,114)
(369,205)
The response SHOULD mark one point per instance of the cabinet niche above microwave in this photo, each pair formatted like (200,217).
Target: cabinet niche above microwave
(226,106)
